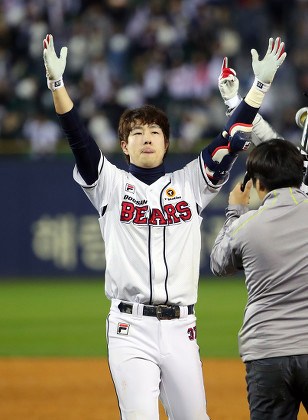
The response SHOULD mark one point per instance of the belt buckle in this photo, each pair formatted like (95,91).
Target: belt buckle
(159,312)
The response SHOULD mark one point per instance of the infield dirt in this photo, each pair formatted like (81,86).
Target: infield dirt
(82,389)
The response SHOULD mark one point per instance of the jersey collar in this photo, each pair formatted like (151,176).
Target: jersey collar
(147,175)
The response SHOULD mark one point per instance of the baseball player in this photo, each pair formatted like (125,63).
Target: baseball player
(150,222)
(271,244)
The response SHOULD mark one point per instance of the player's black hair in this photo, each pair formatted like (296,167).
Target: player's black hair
(276,163)
(146,114)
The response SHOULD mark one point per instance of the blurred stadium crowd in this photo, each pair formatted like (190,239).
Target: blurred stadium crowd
(123,53)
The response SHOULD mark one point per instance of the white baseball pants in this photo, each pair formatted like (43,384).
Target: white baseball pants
(151,359)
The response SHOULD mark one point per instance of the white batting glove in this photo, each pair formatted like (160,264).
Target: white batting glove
(228,85)
(265,69)
(54,65)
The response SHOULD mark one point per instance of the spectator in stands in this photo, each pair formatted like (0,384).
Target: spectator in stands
(43,135)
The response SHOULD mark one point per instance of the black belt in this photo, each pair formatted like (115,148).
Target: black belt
(160,311)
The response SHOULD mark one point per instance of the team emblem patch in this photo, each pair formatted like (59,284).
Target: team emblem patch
(170,192)
(130,188)
(123,328)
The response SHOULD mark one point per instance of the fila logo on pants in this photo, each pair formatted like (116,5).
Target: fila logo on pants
(123,328)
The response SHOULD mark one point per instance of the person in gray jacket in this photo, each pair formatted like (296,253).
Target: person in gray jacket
(270,245)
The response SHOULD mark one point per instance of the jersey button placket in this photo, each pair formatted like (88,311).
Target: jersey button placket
(158,265)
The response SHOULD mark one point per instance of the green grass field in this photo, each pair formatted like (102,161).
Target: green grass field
(66,318)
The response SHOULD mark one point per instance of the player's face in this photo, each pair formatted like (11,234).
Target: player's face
(145,145)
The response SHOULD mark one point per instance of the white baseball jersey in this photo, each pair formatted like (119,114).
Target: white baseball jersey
(151,232)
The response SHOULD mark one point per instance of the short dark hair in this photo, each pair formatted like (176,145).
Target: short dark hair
(146,114)
(276,163)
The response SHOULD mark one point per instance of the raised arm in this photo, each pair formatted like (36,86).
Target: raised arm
(228,85)
(221,154)
(86,151)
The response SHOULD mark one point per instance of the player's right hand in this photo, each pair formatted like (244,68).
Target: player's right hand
(228,83)
(54,65)
(265,69)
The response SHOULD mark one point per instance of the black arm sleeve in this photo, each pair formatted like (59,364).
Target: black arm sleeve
(86,152)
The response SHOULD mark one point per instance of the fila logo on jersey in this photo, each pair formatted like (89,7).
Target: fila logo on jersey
(123,328)
(130,188)
(143,215)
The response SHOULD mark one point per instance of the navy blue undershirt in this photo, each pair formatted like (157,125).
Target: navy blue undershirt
(147,175)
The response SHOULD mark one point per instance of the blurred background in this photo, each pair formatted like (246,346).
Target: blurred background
(124,53)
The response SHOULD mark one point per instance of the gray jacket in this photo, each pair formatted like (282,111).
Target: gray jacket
(271,246)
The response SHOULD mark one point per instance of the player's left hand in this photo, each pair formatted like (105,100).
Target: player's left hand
(266,68)
(228,83)
(237,196)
